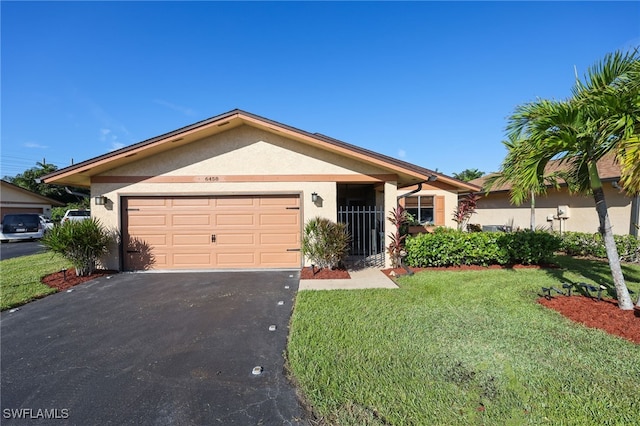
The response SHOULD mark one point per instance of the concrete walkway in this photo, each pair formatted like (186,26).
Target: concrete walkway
(360,279)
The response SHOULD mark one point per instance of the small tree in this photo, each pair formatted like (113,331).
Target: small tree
(398,217)
(468,175)
(325,243)
(80,242)
(466,207)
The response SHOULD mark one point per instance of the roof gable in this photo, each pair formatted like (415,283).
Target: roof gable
(40,199)
(80,174)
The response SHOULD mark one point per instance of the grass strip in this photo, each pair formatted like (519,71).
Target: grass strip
(20,278)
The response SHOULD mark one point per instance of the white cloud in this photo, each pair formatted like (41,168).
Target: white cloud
(182,109)
(34,145)
(104,133)
(116,145)
(402,153)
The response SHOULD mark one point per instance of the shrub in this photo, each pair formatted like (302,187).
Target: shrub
(529,247)
(80,242)
(325,243)
(583,244)
(449,247)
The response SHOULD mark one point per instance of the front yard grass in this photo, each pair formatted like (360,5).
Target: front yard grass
(20,278)
(462,348)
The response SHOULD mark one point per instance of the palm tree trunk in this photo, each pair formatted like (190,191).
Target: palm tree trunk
(532,222)
(624,299)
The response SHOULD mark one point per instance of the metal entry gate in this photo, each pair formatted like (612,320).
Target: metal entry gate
(366,227)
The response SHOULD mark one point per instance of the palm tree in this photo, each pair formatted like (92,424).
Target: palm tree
(600,117)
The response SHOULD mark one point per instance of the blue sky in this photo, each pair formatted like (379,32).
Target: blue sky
(431,83)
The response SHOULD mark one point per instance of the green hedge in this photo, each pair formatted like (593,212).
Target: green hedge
(449,247)
(583,244)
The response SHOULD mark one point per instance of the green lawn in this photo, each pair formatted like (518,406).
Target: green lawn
(20,278)
(462,348)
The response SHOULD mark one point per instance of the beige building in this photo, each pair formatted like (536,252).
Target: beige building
(558,209)
(14,199)
(234,191)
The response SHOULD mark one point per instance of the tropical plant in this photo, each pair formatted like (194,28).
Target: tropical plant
(602,116)
(80,242)
(325,243)
(398,217)
(30,180)
(466,207)
(468,174)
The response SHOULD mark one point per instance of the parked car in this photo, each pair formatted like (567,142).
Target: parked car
(76,215)
(22,226)
(47,224)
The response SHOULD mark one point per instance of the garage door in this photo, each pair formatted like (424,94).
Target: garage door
(16,210)
(211,232)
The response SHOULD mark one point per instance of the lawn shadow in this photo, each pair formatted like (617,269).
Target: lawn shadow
(594,270)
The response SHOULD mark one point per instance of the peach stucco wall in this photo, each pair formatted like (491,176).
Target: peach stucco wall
(240,151)
(495,209)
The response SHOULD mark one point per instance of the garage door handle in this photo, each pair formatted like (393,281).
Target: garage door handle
(213,238)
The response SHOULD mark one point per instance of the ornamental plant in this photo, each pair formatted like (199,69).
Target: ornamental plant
(80,242)
(466,207)
(325,243)
(398,217)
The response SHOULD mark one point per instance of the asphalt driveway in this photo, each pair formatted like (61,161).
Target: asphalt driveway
(161,349)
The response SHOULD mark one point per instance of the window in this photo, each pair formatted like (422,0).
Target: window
(421,208)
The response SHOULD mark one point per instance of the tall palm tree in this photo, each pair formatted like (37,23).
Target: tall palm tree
(601,117)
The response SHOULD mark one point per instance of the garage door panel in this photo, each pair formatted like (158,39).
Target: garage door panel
(147,240)
(148,220)
(188,240)
(275,259)
(244,239)
(231,259)
(202,259)
(141,202)
(251,231)
(276,238)
(223,202)
(235,220)
(190,220)
(278,201)
(278,219)
(190,202)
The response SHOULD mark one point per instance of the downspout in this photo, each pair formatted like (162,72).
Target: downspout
(418,189)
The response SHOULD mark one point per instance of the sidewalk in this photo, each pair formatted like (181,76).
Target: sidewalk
(360,279)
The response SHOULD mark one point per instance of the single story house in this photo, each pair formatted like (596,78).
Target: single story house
(234,191)
(558,209)
(15,199)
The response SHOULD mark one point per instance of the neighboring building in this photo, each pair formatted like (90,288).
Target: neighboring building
(235,190)
(14,199)
(558,209)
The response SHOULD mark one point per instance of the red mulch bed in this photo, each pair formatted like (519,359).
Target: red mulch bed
(324,274)
(62,281)
(604,315)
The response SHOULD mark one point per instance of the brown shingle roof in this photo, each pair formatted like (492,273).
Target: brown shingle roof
(80,173)
(608,169)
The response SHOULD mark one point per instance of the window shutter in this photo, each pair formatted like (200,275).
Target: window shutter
(439,210)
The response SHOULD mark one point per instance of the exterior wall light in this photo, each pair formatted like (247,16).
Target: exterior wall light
(100,200)
(314,197)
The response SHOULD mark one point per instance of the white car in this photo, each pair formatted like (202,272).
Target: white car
(21,226)
(76,215)
(47,224)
